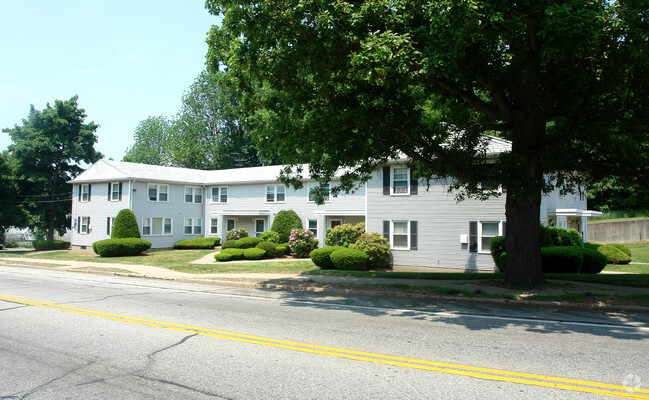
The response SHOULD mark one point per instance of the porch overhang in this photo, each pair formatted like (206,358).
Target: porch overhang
(574,212)
(341,213)
(235,213)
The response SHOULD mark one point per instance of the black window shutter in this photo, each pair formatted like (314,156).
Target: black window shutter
(108,226)
(89,190)
(386,181)
(413,235)
(473,236)
(120,191)
(88,228)
(79,187)
(386,230)
(78,224)
(109,193)
(414,185)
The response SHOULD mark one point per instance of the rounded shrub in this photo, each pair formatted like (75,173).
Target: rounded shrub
(614,254)
(302,242)
(281,251)
(546,236)
(322,257)
(229,244)
(254,253)
(350,259)
(577,238)
(622,247)
(501,261)
(592,245)
(268,247)
(247,242)
(284,222)
(561,259)
(376,247)
(344,235)
(560,237)
(230,254)
(50,245)
(594,261)
(121,247)
(198,243)
(125,225)
(222,257)
(270,236)
(497,247)
(236,234)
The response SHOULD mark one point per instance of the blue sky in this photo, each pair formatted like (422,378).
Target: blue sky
(126,60)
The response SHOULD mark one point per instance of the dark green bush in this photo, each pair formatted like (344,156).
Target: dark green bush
(577,238)
(501,261)
(254,253)
(622,247)
(614,254)
(125,225)
(561,259)
(546,236)
(270,236)
(350,259)
(247,242)
(284,222)
(592,245)
(560,236)
(344,235)
(198,243)
(281,251)
(594,261)
(229,244)
(229,254)
(47,245)
(497,247)
(121,247)
(322,257)
(376,247)
(269,247)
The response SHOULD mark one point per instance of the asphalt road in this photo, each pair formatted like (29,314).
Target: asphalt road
(83,336)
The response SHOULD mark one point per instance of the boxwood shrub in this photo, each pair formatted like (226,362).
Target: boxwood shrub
(281,251)
(614,254)
(577,238)
(121,247)
(322,257)
(270,236)
(198,243)
(497,247)
(349,259)
(284,222)
(622,247)
(229,255)
(592,245)
(53,245)
(561,259)
(269,247)
(376,247)
(594,261)
(254,253)
(125,225)
(229,244)
(247,242)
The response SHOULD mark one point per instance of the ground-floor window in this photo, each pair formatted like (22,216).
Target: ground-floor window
(231,224)
(260,225)
(481,233)
(214,226)
(84,225)
(313,226)
(110,221)
(402,234)
(152,226)
(193,226)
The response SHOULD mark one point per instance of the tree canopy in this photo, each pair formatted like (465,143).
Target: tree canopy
(351,84)
(12,212)
(152,142)
(49,149)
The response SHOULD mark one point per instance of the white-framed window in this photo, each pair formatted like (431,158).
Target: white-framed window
(158,192)
(220,194)
(231,224)
(275,193)
(400,181)
(114,191)
(312,225)
(260,227)
(193,226)
(313,186)
(193,194)
(481,233)
(84,225)
(402,234)
(156,226)
(214,226)
(84,195)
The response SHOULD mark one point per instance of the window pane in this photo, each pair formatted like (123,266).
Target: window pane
(400,180)
(400,240)
(146,230)
(163,193)
(167,226)
(400,227)
(214,226)
(156,226)
(313,223)
(188,195)
(197,227)
(198,195)
(188,226)
(490,229)
(281,193)
(153,193)
(486,243)
(270,193)
(215,195)
(224,195)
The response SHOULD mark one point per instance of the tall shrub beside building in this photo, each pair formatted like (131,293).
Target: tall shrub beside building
(124,239)
(125,225)
(285,221)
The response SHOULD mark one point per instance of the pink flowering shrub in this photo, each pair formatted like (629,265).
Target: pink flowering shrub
(301,242)
(236,234)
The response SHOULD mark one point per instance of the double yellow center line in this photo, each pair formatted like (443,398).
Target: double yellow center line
(455,369)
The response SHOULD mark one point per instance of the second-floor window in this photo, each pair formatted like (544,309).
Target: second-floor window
(275,193)
(115,191)
(400,181)
(158,192)
(313,187)
(220,194)
(193,194)
(84,194)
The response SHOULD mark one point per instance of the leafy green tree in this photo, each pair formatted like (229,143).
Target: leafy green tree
(49,149)
(12,212)
(152,142)
(352,84)
(618,194)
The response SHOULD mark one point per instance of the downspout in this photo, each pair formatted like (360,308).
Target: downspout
(204,212)
(130,193)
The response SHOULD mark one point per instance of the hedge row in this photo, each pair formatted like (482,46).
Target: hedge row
(338,257)
(121,247)
(243,243)
(567,260)
(53,245)
(261,250)
(198,243)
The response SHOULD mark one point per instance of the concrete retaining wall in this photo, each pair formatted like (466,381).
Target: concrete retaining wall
(621,231)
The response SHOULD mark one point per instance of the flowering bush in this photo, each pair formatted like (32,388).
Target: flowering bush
(344,235)
(376,247)
(236,234)
(302,242)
